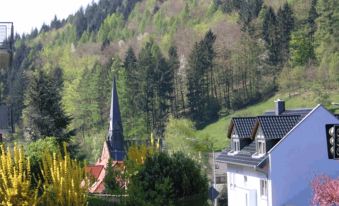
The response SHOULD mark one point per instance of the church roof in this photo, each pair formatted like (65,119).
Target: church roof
(115,140)
(115,154)
(114,116)
(94,170)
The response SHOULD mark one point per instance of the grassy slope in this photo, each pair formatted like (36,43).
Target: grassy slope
(217,131)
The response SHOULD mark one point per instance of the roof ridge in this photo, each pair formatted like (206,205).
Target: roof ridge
(243,117)
(287,115)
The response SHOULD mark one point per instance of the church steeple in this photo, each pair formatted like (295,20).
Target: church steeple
(115,133)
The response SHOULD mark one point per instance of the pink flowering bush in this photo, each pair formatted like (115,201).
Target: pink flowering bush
(326,191)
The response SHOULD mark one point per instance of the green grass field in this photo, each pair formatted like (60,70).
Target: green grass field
(217,131)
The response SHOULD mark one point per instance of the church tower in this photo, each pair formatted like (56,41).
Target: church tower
(115,139)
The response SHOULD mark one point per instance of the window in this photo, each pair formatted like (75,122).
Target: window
(263,188)
(221,179)
(261,147)
(235,145)
(245,179)
(232,180)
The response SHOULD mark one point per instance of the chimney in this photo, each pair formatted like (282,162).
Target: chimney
(279,106)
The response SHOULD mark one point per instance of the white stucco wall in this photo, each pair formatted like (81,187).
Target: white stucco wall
(299,157)
(245,193)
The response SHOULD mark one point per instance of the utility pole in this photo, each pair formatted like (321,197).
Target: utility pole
(214,178)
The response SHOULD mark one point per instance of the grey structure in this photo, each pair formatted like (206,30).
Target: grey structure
(273,125)
(115,140)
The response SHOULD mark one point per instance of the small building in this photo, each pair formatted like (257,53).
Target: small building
(273,158)
(113,148)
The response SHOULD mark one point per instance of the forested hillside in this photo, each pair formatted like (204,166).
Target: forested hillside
(193,59)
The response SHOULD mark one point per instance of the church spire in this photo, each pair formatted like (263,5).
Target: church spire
(115,132)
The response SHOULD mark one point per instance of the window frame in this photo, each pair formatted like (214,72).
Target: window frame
(263,188)
(232,180)
(261,146)
(235,146)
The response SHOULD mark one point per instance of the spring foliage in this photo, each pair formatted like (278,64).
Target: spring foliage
(63,183)
(326,191)
(15,178)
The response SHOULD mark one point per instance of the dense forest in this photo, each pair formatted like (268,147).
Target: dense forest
(195,59)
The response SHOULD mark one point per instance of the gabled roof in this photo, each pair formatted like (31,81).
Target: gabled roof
(301,112)
(243,126)
(94,170)
(276,127)
(337,116)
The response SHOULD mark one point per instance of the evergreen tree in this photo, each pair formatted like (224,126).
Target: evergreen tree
(165,90)
(248,10)
(147,64)
(111,186)
(80,22)
(173,66)
(312,16)
(328,26)
(270,35)
(285,25)
(55,23)
(156,85)
(132,79)
(201,101)
(44,115)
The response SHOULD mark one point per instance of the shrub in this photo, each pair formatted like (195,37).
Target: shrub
(15,178)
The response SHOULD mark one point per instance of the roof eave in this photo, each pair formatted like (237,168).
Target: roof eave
(237,163)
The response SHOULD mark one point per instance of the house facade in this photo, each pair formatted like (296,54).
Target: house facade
(274,157)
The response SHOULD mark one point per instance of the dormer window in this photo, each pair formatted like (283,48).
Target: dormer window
(261,147)
(260,144)
(235,146)
(234,134)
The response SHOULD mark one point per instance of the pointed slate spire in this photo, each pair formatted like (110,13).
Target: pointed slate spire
(115,132)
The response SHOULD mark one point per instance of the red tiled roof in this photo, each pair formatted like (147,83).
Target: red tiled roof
(94,170)
(100,188)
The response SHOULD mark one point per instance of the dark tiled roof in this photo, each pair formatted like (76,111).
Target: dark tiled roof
(300,112)
(337,116)
(276,127)
(116,154)
(244,126)
(273,127)
(244,157)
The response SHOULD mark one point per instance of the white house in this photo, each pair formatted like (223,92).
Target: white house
(274,157)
